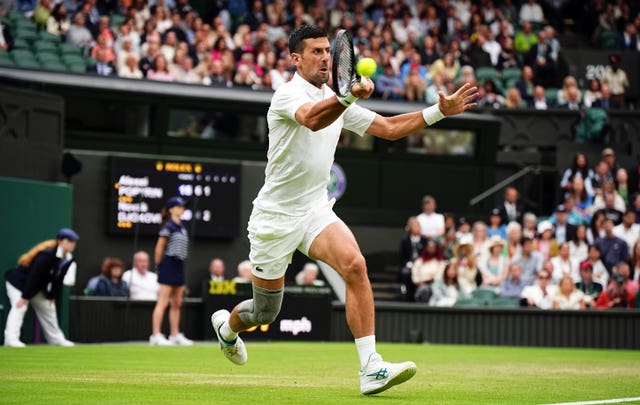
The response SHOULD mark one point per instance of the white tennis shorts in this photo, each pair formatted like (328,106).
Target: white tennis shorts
(275,237)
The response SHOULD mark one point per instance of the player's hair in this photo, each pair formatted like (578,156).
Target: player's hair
(26,259)
(297,37)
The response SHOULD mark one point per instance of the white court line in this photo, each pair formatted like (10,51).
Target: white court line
(603,401)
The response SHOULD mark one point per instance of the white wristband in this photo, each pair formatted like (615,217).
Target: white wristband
(347,100)
(432,114)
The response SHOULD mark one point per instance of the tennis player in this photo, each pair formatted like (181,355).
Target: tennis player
(292,210)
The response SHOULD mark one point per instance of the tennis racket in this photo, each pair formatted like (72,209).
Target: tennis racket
(343,64)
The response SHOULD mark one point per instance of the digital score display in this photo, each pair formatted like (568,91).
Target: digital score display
(139,188)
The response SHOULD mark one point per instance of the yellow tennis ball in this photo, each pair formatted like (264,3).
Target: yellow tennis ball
(366,67)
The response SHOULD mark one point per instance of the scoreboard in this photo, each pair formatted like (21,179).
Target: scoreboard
(139,188)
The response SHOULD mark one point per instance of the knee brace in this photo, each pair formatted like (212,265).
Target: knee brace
(262,309)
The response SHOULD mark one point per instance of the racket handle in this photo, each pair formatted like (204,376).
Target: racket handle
(363,81)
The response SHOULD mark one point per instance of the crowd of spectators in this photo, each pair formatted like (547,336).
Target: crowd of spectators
(510,48)
(585,254)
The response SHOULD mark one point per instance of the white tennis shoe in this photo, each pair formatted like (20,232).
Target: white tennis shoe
(235,350)
(159,340)
(379,375)
(180,340)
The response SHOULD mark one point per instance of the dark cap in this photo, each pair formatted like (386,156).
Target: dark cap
(561,208)
(618,278)
(175,201)
(495,211)
(67,233)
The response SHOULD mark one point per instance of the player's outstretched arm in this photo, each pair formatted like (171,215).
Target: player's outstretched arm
(399,126)
(460,101)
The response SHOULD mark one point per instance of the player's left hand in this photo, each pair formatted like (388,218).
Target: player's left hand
(460,101)
(360,91)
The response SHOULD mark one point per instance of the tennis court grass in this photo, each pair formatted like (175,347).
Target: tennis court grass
(311,373)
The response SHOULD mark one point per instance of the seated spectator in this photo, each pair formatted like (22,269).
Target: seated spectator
(628,230)
(494,266)
(564,231)
(245,77)
(629,38)
(507,58)
(309,275)
(280,74)
(525,39)
(110,283)
(579,168)
(447,66)
(572,101)
(539,100)
(42,12)
(160,70)
(244,272)
(170,45)
(606,100)
(142,282)
(216,270)
(593,93)
(491,96)
(564,265)
(613,249)
(600,176)
(125,51)
(388,85)
(467,75)
(582,200)
(578,245)
(103,47)
(590,288)
(615,296)
(514,240)
(438,85)
(531,11)
(540,294)
(529,221)
(103,66)
(425,270)
(634,262)
(446,290)
(616,79)
(412,246)
(491,46)
(130,69)
(513,284)
(415,85)
(495,227)
(622,184)
(547,245)
(58,22)
(543,58)
(513,100)
(526,83)
(431,222)
(216,76)
(476,55)
(567,296)
(468,274)
(78,33)
(610,203)
(567,93)
(630,285)
(530,261)
(185,73)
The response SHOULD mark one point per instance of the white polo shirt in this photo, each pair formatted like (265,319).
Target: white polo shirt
(299,159)
(142,287)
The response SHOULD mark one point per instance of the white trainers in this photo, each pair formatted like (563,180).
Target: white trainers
(180,340)
(159,340)
(235,350)
(66,343)
(379,375)
(14,343)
